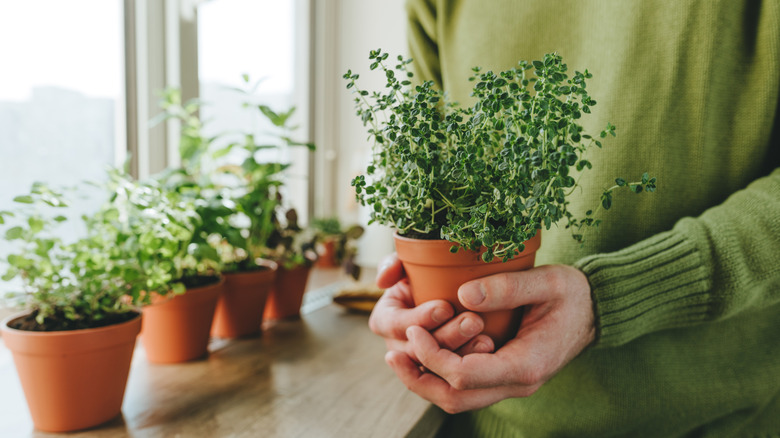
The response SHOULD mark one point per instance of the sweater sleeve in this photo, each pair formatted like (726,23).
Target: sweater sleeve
(708,268)
(423,42)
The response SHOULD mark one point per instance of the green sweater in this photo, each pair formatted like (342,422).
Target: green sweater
(686,281)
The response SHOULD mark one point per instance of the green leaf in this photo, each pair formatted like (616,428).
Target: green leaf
(274,118)
(620,182)
(36,224)
(24,199)
(606,200)
(14,233)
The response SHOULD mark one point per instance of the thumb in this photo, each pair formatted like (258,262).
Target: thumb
(390,271)
(512,289)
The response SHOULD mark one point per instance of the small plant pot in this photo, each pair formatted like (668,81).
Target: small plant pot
(435,273)
(73,379)
(327,257)
(177,329)
(240,308)
(286,295)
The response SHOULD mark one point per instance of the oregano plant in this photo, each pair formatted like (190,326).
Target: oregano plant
(489,175)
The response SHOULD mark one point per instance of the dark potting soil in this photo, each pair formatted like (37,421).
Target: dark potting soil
(411,234)
(248,266)
(191,282)
(58,322)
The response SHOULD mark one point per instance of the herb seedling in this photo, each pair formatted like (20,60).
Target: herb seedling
(488,175)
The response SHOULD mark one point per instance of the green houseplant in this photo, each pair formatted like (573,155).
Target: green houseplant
(161,231)
(336,244)
(236,181)
(486,178)
(73,348)
(294,249)
(273,231)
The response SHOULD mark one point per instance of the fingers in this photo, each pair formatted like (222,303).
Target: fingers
(436,390)
(515,289)
(461,330)
(476,371)
(480,344)
(389,272)
(395,311)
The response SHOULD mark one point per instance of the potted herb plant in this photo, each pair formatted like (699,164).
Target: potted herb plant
(73,346)
(294,249)
(163,231)
(472,187)
(271,230)
(238,309)
(237,202)
(335,244)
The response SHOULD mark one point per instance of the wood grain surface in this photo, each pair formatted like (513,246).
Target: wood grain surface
(323,375)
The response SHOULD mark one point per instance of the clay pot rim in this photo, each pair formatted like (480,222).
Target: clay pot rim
(263,266)
(435,252)
(158,300)
(4,326)
(69,342)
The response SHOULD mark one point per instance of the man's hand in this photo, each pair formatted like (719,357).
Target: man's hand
(395,312)
(558,323)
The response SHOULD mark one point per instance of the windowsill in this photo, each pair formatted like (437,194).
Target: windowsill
(321,375)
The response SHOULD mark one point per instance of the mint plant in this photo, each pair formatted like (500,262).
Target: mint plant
(151,235)
(491,174)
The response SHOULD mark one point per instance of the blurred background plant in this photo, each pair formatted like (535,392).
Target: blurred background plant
(237,186)
(336,245)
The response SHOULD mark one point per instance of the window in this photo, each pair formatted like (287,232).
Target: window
(77,90)
(62,116)
(258,39)
(61,93)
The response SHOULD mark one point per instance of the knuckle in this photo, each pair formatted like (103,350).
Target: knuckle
(499,289)
(553,279)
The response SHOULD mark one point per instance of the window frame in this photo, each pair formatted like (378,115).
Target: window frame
(151,67)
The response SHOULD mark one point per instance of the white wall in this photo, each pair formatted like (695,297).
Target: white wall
(353,27)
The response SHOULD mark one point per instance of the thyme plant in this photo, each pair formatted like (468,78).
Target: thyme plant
(488,175)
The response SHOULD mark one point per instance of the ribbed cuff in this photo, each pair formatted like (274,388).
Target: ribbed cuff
(659,283)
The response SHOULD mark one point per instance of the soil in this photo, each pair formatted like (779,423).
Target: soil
(191,282)
(433,235)
(247,266)
(59,323)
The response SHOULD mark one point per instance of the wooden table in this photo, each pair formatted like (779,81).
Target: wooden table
(321,376)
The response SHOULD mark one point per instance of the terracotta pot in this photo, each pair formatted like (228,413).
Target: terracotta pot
(327,257)
(286,295)
(73,379)
(177,329)
(240,308)
(436,273)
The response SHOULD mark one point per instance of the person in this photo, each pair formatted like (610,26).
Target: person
(665,322)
